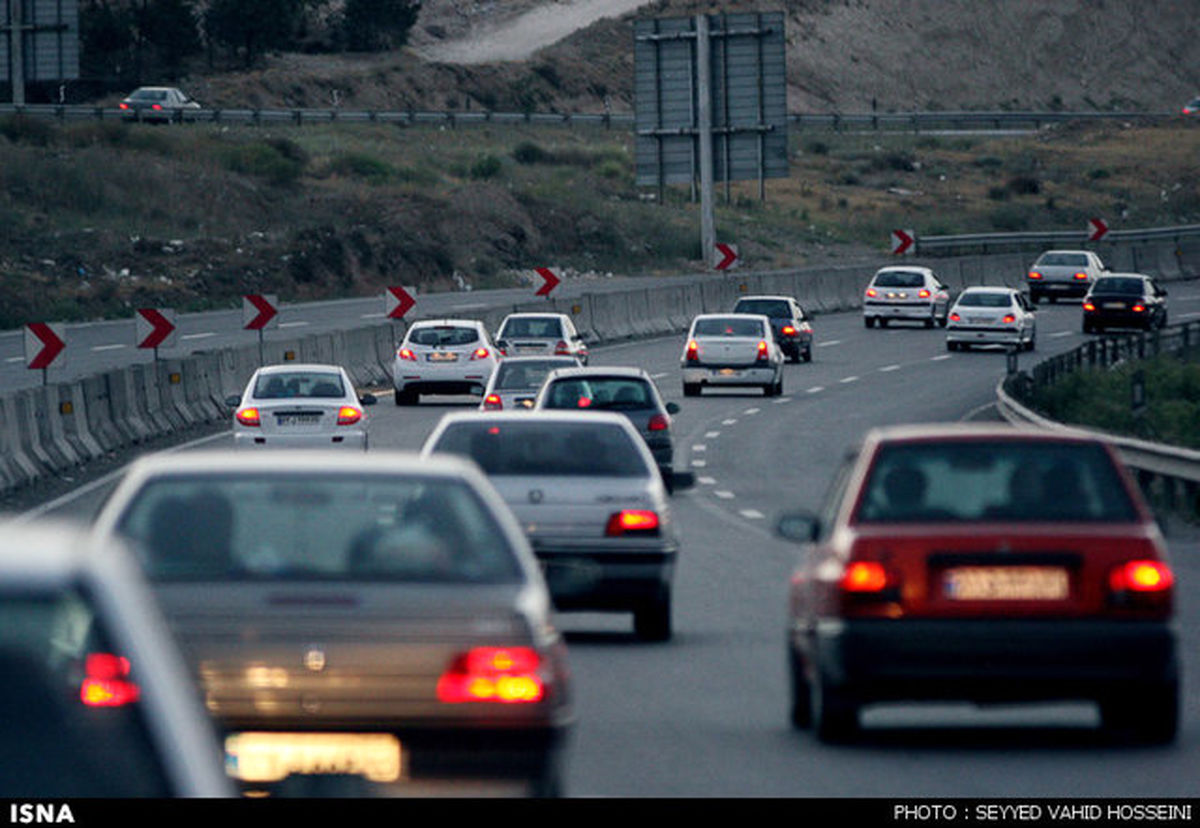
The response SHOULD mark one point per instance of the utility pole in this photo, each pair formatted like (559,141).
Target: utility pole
(16,37)
(708,231)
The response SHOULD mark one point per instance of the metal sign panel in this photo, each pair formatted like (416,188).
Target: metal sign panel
(49,42)
(747,71)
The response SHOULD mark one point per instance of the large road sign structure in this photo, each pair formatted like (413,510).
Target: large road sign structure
(39,42)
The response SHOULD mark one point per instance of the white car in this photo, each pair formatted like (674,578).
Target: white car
(517,380)
(991,316)
(443,356)
(156,103)
(300,406)
(732,350)
(905,293)
(542,334)
(1066,273)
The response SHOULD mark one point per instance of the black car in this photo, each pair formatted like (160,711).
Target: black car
(1124,300)
(789,322)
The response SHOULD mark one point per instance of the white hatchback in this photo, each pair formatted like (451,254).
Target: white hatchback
(904,293)
(541,334)
(443,356)
(300,406)
(991,316)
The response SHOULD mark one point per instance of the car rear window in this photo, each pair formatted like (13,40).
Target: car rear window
(727,327)
(767,307)
(149,95)
(1125,287)
(994,480)
(899,278)
(600,394)
(332,528)
(443,335)
(540,327)
(52,743)
(544,448)
(986,300)
(325,384)
(523,375)
(1063,260)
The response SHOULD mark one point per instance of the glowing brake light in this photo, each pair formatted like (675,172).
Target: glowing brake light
(508,675)
(872,292)
(924,294)
(480,353)
(865,576)
(954,317)
(632,520)
(1139,308)
(248,417)
(1088,306)
(106,682)
(1033,274)
(1009,319)
(349,415)
(659,422)
(693,351)
(561,348)
(1081,276)
(1141,576)
(406,353)
(492,402)
(789,330)
(762,350)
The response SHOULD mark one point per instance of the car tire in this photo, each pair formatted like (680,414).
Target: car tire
(835,714)
(652,620)
(800,710)
(1149,715)
(691,389)
(869,321)
(951,346)
(407,397)
(808,354)
(1032,343)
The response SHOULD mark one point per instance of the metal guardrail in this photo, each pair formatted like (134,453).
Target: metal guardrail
(984,241)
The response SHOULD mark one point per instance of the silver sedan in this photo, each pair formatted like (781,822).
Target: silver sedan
(300,406)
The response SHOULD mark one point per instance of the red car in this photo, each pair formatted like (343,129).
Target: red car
(982,563)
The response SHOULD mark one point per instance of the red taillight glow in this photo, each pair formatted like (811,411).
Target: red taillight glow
(693,351)
(789,330)
(1141,576)
(508,675)
(349,415)
(106,683)
(248,417)
(480,353)
(1080,276)
(124,105)
(660,422)
(492,402)
(924,294)
(406,353)
(632,520)
(1088,306)
(561,348)
(1139,308)
(954,317)
(763,352)
(864,576)
(872,292)
(1033,274)
(1009,319)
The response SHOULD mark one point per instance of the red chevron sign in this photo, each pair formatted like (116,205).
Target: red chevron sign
(1096,229)
(902,241)
(398,302)
(727,254)
(551,281)
(259,312)
(44,341)
(155,327)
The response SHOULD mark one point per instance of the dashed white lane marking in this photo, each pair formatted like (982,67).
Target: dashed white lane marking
(1060,334)
(752,514)
(724,494)
(707,481)
(887,368)
(711,434)
(939,358)
(15,359)
(729,422)
(829,343)
(783,400)
(699,464)
(816,389)
(699,447)
(751,411)
(845,380)
(204,335)
(292,324)
(372,316)
(113,347)
(658,376)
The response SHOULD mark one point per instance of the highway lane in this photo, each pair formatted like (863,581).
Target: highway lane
(705,714)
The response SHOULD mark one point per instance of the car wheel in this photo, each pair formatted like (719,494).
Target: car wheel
(1035,298)
(951,346)
(652,621)
(835,714)
(800,712)
(883,323)
(407,397)
(1032,343)
(931,321)
(869,321)
(1088,327)
(808,354)
(691,389)
(1148,715)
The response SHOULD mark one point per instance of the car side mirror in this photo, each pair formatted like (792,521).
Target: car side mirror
(799,526)
(368,399)
(672,408)
(233,401)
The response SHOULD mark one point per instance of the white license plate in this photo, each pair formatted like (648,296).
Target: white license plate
(443,356)
(297,419)
(270,757)
(1006,583)
(727,372)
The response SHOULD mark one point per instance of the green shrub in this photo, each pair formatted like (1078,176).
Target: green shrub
(486,166)
(262,160)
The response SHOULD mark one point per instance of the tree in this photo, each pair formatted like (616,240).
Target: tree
(378,25)
(248,28)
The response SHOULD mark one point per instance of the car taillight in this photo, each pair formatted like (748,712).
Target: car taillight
(1088,306)
(789,330)
(693,351)
(492,402)
(106,681)
(349,415)
(1141,576)
(406,353)
(561,348)
(1139,308)
(156,106)
(1009,319)
(508,675)
(480,353)
(123,105)
(762,350)
(924,294)
(627,521)
(1081,276)
(1033,274)
(248,417)
(660,422)
(954,317)
(865,577)
(872,292)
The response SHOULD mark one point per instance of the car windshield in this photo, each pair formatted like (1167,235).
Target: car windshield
(512,376)
(82,750)
(546,449)
(301,384)
(1000,480)
(600,393)
(1122,286)
(900,278)
(775,308)
(326,528)
(1063,260)
(728,327)
(443,335)
(545,327)
(149,95)
(985,300)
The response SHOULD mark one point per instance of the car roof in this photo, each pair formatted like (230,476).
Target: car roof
(525,314)
(45,553)
(290,367)
(1057,250)
(729,315)
(540,415)
(567,361)
(600,371)
(905,268)
(946,432)
(429,323)
(219,461)
(1111,275)
(776,297)
(989,289)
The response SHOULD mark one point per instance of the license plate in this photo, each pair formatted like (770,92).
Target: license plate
(443,356)
(297,419)
(728,372)
(1115,305)
(270,757)
(1006,583)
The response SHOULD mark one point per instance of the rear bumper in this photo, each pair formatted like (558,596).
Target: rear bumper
(355,440)
(1117,319)
(1055,288)
(984,336)
(583,578)
(899,310)
(729,375)
(1003,660)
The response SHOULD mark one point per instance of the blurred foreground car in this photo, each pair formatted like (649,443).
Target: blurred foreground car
(586,490)
(377,617)
(541,333)
(792,329)
(97,701)
(732,351)
(1063,273)
(991,316)
(516,381)
(300,406)
(901,293)
(443,356)
(156,103)
(626,390)
(1124,300)
(986,564)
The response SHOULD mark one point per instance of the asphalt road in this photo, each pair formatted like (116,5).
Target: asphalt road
(705,715)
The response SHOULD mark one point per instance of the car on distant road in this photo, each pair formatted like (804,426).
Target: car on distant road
(991,316)
(1124,300)
(1063,273)
(300,405)
(793,330)
(541,334)
(377,617)
(98,701)
(1192,107)
(988,564)
(515,383)
(593,505)
(903,293)
(156,103)
(629,391)
(443,356)
(731,350)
